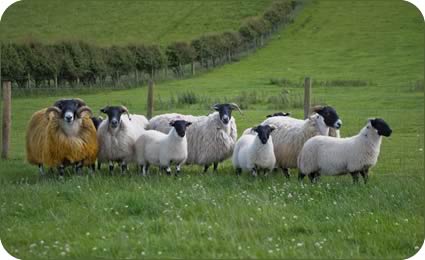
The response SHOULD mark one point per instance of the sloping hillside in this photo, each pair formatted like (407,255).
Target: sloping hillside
(367,59)
(122,22)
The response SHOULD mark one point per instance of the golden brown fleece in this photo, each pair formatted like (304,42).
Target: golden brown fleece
(47,144)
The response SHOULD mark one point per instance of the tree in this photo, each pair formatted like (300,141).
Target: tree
(179,54)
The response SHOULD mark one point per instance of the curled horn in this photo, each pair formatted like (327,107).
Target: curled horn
(234,106)
(52,109)
(215,106)
(84,109)
(80,102)
(316,109)
(125,110)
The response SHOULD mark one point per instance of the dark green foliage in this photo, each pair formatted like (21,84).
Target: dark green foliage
(179,54)
(12,66)
(77,63)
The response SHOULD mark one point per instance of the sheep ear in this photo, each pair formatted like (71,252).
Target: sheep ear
(172,123)
(254,129)
(104,110)
(272,127)
(188,123)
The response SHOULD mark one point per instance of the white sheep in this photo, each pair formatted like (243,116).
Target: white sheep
(157,148)
(210,139)
(117,136)
(291,134)
(255,152)
(323,155)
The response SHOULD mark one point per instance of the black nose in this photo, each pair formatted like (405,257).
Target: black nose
(225,120)
(68,118)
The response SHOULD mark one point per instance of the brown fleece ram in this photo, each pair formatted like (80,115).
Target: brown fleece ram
(49,145)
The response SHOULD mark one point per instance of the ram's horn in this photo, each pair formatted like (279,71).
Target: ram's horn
(234,106)
(125,110)
(80,102)
(317,108)
(52,109)
(215,106)
(84,109)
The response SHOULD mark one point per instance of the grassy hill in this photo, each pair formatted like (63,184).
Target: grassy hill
(123,22)
(370,53)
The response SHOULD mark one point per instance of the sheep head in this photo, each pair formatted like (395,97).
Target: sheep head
(225,111)
(114,114)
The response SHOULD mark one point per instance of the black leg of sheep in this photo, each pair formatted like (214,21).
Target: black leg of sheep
(301,176)
(215,166)
(285,172)
(238,171)
(206,168)
(365,175)
(355,176)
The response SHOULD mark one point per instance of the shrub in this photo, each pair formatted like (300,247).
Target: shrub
(179,54)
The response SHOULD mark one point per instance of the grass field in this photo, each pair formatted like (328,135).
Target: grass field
(126,21)
(211,216)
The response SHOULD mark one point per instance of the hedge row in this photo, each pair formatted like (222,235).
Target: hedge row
(82,63)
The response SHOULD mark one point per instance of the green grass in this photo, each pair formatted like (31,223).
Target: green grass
(122,21)
(221,215)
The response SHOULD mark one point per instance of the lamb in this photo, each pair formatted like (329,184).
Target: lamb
(255,152)
(210,139)
(157,148)
(62,135)
(117,136)
(291,134)
(323,155)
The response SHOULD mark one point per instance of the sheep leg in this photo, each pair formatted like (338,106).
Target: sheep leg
(41,169)
(111,167)
(93,168)
(178,167)
(215,167)
(238,171)
(301,176)
(79,168)
(313,177)
(123,168)
(365,175)
(61,170)
(168,170)
(355,176)
(206,168)
(99,164)
(285,172)
(254,172)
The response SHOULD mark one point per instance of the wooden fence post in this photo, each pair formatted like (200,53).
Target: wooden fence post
(7,118)
(150,99)
(307,96)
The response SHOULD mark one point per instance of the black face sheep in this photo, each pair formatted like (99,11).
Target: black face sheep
(210,139)
(255,152)
(323,155)
(157,148)
(117,136)
(61,135)
(291,134)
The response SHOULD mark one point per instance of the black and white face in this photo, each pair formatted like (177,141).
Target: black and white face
(225,112)
(69,109)
(279,114)
(114,115)
(180,126)
(263,132)
(381,127)
(330,116)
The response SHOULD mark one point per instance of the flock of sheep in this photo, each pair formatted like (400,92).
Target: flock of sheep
(66,134)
